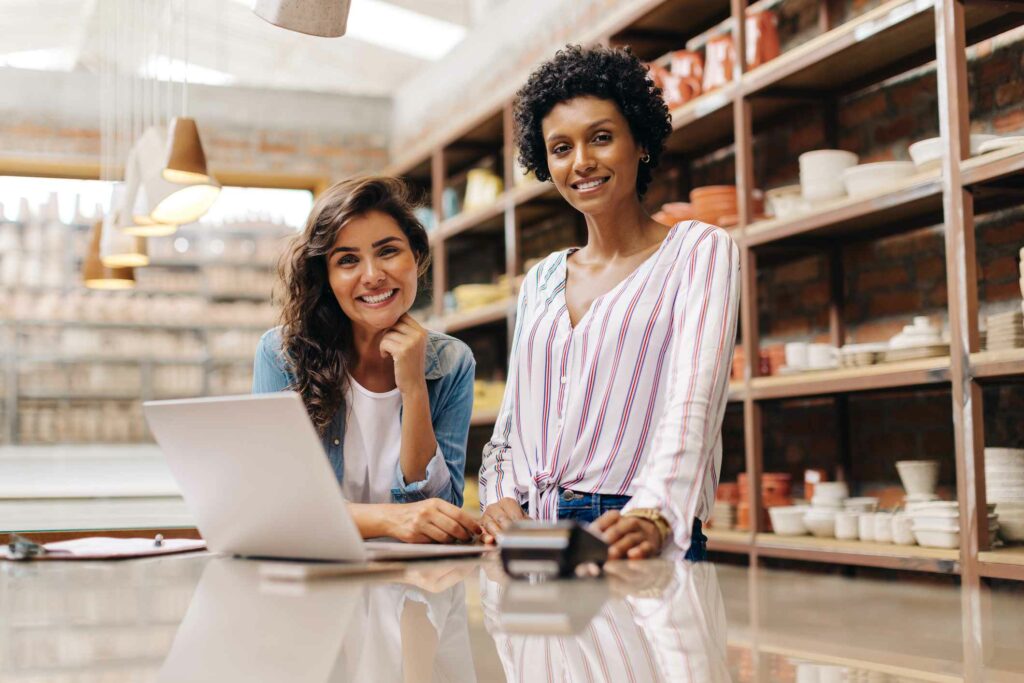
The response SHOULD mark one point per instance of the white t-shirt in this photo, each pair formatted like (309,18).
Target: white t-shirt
(373,443)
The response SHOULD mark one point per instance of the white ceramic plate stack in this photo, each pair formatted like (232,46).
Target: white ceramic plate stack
(821,173)
(1004,487)
(1005,331)
(937,524)
(920,339)
(723,515)
(869,179)
(861,355)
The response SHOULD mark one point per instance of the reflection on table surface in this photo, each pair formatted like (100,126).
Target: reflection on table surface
(208,618)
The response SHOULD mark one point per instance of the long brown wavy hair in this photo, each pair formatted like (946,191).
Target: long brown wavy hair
(316,334)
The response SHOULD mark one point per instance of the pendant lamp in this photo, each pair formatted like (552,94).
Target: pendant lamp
(165,201)
(186,161)
(324,18)
(97,276)
(118,249)
(133,216)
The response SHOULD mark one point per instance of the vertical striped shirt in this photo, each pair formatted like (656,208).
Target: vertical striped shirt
(630,400)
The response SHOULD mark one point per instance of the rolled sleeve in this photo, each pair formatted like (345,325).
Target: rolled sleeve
(436,484)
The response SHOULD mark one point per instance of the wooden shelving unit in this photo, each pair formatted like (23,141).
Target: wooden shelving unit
(891,39)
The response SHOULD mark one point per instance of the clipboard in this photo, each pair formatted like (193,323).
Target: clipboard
(20,549)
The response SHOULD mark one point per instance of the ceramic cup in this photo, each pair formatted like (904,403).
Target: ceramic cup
(883,527)
(847,526)
(797,355)
(822,356)
(866,526)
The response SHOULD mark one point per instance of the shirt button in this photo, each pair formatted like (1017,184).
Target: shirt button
(565,380)
(337,441)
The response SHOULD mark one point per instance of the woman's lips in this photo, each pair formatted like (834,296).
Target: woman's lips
(377,301)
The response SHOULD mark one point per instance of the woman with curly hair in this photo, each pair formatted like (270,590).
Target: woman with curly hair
(391,401)
(621,354)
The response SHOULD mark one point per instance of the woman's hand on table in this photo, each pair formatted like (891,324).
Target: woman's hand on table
(499,516)
(632,538)
(431,521)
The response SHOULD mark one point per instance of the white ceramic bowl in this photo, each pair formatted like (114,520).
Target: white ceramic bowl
(1011,530)
(821,523)
(846,526)
(835,504)
(937,539)
(928,153)
(821,173)
(861,504)
(919,476)
(868,179)
(834,490)
(788,520)
(785,202)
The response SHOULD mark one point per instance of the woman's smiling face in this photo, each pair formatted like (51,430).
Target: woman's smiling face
(372,271)
(591,153)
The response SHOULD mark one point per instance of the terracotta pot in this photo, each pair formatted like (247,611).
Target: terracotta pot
(720,56)
(762,38)
(687,63)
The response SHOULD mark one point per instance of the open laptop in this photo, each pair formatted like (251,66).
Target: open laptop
(253,472)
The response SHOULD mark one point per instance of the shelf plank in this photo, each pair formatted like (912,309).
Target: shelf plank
(729,541)
(468,220)
(847,380)
(499,310)
(861,553)
(484,418)
(529,191)
(1004,563)
(737,392)
(918,197)
(862,659)
(703,122)
(993,166)
(1007,363)
(97,324)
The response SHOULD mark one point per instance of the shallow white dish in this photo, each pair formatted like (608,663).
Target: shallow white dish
(831,490)
(1004,456)
(788,520)
(928,153)
(998,143)
(868,179)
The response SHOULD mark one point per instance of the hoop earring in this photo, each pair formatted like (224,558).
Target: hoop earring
(646,159)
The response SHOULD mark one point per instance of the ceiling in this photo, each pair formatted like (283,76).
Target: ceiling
(229,45)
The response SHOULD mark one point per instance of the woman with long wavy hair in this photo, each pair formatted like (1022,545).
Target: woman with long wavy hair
(390,400)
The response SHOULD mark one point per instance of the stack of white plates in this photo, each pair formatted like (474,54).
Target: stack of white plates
(1004,486)
(1005,331)
(723,515)
(937,524)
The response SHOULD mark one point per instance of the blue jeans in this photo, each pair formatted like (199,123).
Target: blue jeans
(586,507)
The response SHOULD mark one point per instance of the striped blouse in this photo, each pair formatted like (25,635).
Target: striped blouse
(629,401)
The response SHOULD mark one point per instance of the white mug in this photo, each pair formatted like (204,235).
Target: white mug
(822,355)
(796,355)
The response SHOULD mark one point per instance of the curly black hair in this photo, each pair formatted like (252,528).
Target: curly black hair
(608,73)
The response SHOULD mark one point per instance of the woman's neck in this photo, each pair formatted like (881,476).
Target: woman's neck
(620,232)
(372,371)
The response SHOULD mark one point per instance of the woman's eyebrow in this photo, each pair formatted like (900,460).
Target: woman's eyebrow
(595,124)
(374,245)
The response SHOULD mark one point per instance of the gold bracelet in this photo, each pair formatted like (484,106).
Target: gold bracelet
(652,515)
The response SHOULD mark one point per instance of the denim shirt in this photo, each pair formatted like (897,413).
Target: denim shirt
(449,370)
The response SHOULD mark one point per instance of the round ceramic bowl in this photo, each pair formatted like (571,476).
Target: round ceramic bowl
(821,523)
(788,520)
(927,154)
(869,179)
